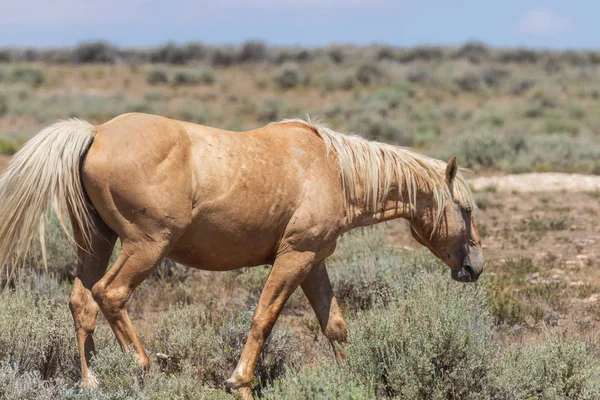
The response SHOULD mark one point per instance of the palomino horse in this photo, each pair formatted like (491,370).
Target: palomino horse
(218,200)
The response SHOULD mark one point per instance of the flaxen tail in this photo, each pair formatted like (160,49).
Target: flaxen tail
(45,172)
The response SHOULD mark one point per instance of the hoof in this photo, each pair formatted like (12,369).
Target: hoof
(237,383)
(89,382)
(244,391)
(143,361)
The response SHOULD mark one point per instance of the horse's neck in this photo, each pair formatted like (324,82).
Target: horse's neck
(359,215)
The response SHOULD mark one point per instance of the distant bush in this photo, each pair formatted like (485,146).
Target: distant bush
(191,77)
(522,86)
(421,53)
(290,75)
(548,152)
(494,76)
(469,81)
(369,73)
(519,56)
(3,104)
(273,109)
(474,52)
(330,81)
(157,76)
(95,52)
(252,51)
(32,76)
(173,54)
(7,147)
(418,75)
(194,112)
(223,57)
(380,128)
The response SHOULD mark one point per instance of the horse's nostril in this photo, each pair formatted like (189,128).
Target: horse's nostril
(470,271)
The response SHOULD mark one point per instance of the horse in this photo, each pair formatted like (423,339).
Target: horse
(219,200)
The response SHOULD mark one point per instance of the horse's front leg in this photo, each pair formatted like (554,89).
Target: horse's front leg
(318,290)
(289,270)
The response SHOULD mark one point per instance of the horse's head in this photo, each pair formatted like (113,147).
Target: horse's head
(449,230)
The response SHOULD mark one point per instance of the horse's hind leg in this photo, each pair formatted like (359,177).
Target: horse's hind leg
(136,261)
(317,288)
(90,268)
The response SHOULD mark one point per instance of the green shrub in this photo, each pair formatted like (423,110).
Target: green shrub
(195,112)
(379,128)
(330,81)
(252,51)
(184,385)
(8,147)
(3,103)
(435,342)
(318,383)
(18,385)
(369,73)
(549,152)
(290,76)
(36,335)
(212,344)
(60,252)
(117,371)
(556,369)
(495,76)
(30,75)
(273,109)
(95,52)
(363,270)
(157,77)
(469,82)
(193,77)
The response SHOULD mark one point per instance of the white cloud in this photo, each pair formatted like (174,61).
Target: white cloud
(544,22)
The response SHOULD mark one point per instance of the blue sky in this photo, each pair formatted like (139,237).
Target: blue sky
(557,24)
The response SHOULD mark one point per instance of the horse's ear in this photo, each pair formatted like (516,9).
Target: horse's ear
(451,170)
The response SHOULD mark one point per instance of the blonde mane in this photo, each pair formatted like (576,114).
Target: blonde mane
(374,167)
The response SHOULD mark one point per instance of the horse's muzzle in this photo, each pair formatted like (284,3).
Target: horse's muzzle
(467,273)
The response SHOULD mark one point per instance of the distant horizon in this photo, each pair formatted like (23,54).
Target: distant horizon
(545,25)
(299,46)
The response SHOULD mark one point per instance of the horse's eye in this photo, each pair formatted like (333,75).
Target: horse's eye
(468,210)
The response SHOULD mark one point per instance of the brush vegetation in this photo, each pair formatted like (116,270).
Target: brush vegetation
(414,334)
(512,110)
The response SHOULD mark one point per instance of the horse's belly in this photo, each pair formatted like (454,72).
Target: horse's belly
(208,247)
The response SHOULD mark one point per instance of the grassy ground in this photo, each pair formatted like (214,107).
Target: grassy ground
(414,334)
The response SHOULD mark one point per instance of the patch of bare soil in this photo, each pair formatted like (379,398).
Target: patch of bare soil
(537,183)
(541,241)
